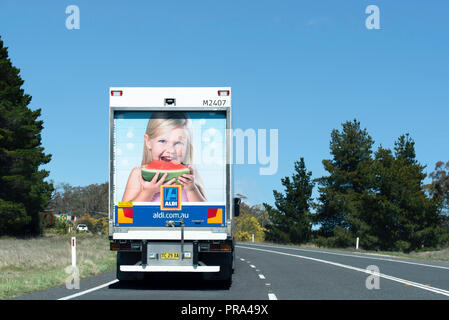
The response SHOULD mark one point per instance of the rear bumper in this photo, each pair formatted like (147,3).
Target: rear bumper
(134,268)
(169,235)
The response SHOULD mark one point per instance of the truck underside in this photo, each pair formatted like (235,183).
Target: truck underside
(214,260)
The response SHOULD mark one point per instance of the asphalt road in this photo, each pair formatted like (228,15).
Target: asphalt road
(264,272)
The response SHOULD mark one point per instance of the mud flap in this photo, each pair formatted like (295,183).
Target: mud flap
(128,258)
(224,260)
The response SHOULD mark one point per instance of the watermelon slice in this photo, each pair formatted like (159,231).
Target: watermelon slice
(173,169)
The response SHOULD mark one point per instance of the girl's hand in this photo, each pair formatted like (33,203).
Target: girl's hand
(188,180)
(152,187)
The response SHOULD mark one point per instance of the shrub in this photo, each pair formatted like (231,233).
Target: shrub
(343,238)
(242,236)
(402,245)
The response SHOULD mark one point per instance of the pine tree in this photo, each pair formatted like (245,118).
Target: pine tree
(382,212)
(401,215)
(349,181)
(23,191)
(290,220)
(422,215)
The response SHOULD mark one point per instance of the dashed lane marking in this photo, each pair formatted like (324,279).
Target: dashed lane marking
(272,296)
(385,276)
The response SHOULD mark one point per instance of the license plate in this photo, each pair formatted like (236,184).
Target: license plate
(170,255)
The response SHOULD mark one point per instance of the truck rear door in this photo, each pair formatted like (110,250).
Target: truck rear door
(156,131)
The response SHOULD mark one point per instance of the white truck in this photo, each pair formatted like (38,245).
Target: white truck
(170,198)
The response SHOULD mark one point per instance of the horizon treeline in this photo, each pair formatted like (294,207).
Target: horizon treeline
(378,196)
(78,201)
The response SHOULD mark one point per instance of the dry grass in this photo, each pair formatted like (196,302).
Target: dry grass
(442,255)
(437,255)
(27,265)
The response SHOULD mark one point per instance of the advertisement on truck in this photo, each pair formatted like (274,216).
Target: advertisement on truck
(169,165)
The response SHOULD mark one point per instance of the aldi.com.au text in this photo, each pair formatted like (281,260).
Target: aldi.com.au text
(170,215)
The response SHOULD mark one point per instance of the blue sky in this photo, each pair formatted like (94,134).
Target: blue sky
(302,67)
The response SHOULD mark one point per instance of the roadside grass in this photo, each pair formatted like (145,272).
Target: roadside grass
(29,265)
(435,255)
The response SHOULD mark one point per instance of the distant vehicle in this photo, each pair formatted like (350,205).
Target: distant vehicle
(82,227)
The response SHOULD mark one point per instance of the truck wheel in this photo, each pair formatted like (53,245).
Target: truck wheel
(226,279)
(128,258)
(224,260)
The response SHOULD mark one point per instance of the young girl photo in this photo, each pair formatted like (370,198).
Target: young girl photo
(167,138)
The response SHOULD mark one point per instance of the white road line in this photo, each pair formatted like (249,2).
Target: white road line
(272,296)
(90,290)
(242,259)
(385,276)
(357,256)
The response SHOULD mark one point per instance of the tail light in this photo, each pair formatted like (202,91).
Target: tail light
(220,247)
(116,93)
(115,246)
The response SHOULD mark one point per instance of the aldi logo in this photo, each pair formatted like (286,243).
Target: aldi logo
(170,197)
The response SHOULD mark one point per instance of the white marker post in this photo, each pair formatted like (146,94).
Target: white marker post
(74,251)
(252,236)
(357,244)
(73,281)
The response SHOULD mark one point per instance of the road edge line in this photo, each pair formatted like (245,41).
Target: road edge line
(89,290)
(356,255)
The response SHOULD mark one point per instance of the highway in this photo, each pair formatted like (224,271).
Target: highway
(278,272)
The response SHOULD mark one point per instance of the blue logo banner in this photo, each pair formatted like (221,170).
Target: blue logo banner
(153,216)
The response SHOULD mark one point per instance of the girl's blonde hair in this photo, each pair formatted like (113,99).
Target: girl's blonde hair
(164,121)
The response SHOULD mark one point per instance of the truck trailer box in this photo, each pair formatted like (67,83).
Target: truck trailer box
(170,198)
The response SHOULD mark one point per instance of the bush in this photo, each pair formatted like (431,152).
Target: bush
(430,238)
(61,227)
(276,235)
(242,236)
(342,238)
(323,242)
(402,246)
(246,225)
